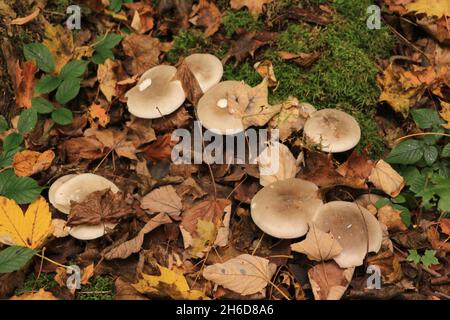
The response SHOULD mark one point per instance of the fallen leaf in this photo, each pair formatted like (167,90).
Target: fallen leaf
(142,14)
(27,162)
(144,51)
(445,114)
(328,281)
(24,83)
(142,130)
(438,8)
(107,77)
(160,149)
(255,7)
(99,207)
(178,119)
(318,245)
(126,249)
(97,114)
(59,40)
(164,199)
(391,218)
(28,230)
(28,18)
(444,223)
(385,178)
(275,163)
(125,291)
(83,148)
(39,295)
(321,170)
(189,83)
(60,229)
(224,230)
(116,140)
(168,284)
(87,274)
(244,274)
(389,264)
(436,242)
(265,70)
(356,169)
(302,59)
(206,14)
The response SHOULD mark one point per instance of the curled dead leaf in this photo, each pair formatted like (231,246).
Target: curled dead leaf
(27,162)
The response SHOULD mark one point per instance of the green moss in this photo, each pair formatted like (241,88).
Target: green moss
(233,20)
(244,71)
(100,288)
(45,281)
(185,41)
(59,5)
(298,38)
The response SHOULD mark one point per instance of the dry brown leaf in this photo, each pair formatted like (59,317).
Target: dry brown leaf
(328,281)
(60,230)
(115,140)
(254,6)
(99,207)
(97,114)
(142,14)
(142,130)
(445,114)
(275,163)
(178,119)
(436,242)
(189,83)
(385,178)
(39,295)
(244,274)
(389,264)
(125,291)
(59,40)
(391,218)
(160,149)
(206,14)
(28,18)
(126,249)
(444,223)
(107,77)
(24,83)
(318,245)
(83,148)
(164,199)
(356,169)
(265,70)
(27,162)
(302,59)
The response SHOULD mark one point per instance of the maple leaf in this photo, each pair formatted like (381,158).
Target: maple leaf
(254,6)
(99,207)
(28,230)
(24,83)
(98,114)
(168,283)
(164,199)
(318,245)
(115,140)
(206,14)
(27,162)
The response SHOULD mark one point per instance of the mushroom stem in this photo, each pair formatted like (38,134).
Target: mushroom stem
(145,84)
(222,103)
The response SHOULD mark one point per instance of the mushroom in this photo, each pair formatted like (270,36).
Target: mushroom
(368,201)
(206,68)
(75,187)
(334,130)
(212,109)
(355,228)
(284,208)
(156,94)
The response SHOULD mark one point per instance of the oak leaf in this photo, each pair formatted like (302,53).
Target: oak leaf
(28,230)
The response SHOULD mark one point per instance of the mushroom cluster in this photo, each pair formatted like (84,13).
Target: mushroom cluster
(76,187)
(159,93)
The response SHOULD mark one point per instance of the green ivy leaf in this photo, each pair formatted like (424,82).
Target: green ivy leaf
(27,120)
(446,151)
(73,69)
(12,141)
(3,124)
(413,256)
(14,258)
(47,84)
(430,154)
(62,116)
(23,190)
(429,258)
(406,152)
(426,118)
(42,56)
(68,90)
(42,105)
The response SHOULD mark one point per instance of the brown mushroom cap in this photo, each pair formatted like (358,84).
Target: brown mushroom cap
(156,94)
(76,188)
(354,227)
(284,208)
(212,111)
(206,68)
(334,130)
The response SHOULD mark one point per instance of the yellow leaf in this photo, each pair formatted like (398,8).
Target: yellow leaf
(169,283)
(445,113)
(436,8)
(59,41)
(29,230)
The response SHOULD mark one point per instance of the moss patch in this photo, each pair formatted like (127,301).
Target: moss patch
(100,288)
(45,281)
(184,42)
(233,20)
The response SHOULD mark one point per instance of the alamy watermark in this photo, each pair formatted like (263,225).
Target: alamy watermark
(374,19)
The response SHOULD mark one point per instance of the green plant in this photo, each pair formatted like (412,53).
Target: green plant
(183,42)
(45,281)
(423,161)
(103,46)
(398,203)
(21,189)
(101,288)
(116,5)
(14,258)
(233,20)
(427,259)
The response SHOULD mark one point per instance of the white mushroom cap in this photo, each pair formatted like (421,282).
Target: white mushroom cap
(284,208)
(334,130)
(76,188)
(213,115)
(206,68)
(156,94)
(355,228)
(85,232)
